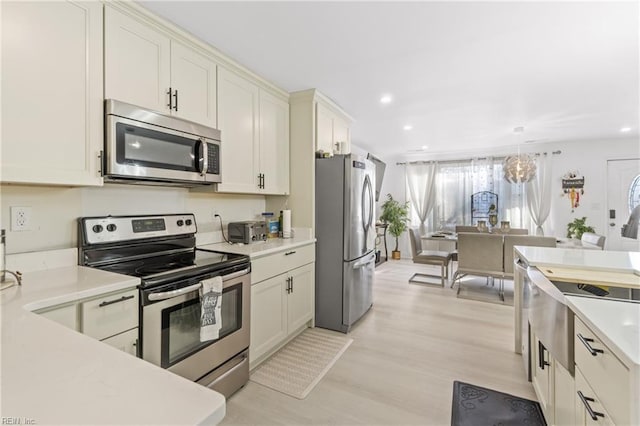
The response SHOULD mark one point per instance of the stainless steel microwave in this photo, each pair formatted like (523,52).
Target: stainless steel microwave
(143,146)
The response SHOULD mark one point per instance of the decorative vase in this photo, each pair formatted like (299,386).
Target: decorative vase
(493,219)
(395,255)
(482,226)
(505,226)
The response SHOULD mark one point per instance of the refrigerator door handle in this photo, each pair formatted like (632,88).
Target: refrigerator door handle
(365,262)
(366,223)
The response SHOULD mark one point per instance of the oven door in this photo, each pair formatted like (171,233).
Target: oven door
(144,151)
(171,326)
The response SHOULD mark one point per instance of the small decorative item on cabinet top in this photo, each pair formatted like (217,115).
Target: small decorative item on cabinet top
(573,187)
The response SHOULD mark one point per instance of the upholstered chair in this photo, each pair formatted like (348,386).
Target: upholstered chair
(428,257)
(590,240)
(478,254)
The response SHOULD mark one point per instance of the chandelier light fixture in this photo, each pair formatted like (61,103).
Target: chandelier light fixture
(519,168)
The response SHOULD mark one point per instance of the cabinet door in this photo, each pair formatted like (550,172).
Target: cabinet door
(324,129)
(300,299)
(51,92)
(65,315)
(564,391)
(542,379)
(274,144)
(237,120)
(268,315)
(193,80)
(341,133)
(136,62)
(126,342)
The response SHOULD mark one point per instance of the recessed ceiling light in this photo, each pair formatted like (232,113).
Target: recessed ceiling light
(385,99)
(424,147)
(625,129)
(408,127)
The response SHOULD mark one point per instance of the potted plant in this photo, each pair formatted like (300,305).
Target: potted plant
(396,215)
(578,227)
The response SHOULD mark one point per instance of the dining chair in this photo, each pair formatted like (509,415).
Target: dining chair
(479,254)
(428,257)
(593,241)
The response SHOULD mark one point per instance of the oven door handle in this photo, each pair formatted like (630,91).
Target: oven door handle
(175,293)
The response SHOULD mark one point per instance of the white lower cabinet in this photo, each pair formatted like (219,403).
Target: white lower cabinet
(63,315)
(110,317)
(126,342)
(542,378)
(599,393)
(281,305)
(603,382)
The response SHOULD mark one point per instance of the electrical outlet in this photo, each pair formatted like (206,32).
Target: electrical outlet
(20,218)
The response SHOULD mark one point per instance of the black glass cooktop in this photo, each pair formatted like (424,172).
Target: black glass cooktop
(175,266)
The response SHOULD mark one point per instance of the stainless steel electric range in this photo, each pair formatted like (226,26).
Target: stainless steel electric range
(160,249)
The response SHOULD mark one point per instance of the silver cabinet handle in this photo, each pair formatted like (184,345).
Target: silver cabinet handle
(111,302)
(586,400)
(585,341)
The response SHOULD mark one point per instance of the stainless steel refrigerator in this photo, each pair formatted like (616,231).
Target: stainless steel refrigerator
(345,234)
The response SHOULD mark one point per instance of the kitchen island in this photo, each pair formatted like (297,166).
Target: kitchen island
(581,350)
(54,375)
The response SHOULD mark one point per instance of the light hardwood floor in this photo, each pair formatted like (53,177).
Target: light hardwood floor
(407,351)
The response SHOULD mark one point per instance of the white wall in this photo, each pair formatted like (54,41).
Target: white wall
(56,209)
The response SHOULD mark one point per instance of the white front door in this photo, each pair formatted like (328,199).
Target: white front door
(621,174)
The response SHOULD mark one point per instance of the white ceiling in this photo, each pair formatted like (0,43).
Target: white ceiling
(462,74)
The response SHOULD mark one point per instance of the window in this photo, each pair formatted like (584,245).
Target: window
(634,193)
(456,181)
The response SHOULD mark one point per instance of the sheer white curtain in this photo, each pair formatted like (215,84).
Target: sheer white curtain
(421,183)
(455,186)
(539,193)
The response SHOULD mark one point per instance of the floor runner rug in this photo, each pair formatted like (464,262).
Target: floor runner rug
(297,367)
(474,405)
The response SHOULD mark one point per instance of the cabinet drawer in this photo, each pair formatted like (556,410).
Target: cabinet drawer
(583,416)
(110,314)
(281,262)
(606,375)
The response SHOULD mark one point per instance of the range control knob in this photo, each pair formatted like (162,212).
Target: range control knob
(97,228)
(189,222)
(111,227)
(180,222)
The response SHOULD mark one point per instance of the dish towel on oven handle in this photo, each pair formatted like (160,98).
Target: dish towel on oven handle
(211,307)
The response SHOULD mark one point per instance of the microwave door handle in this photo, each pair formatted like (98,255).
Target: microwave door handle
(203,161)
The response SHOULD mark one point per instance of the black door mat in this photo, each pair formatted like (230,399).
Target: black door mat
(475,406)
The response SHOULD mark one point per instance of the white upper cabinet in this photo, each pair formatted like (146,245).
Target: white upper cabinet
(274,144)
(324,129)
(255,137)
(237,118)
(51,92)
(193,78)
(145,67)
(331,129)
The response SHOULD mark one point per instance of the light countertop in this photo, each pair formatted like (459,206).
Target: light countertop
(617,323)
(54,375)
(612,261)
(259,249)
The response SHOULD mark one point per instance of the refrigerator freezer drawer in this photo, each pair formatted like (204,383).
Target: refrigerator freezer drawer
(357,289)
